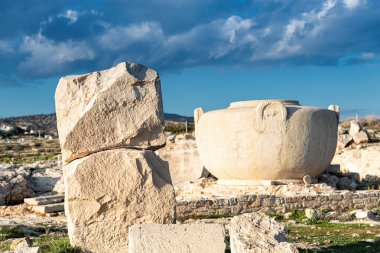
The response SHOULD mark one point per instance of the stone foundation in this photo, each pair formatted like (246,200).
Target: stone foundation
(204,202)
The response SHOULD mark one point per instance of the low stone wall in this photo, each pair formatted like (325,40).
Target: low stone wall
(245,203)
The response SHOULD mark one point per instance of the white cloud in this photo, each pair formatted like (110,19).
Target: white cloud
(122,36)
(71,15)
(352,4)
(368,56)
(47,56)
(5,47)
(309,24)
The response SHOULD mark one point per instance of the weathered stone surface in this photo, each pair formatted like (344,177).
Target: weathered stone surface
(354,127)
(344,140)
(184,238)
(44,200)
(26,249)
(14,184)
(360,137)
(329,179)
(257,233)
(346,183)
(49,208)
(47,180)
(311,213)
(26,241)
(109,191)
(184,161)
(364,162)
(363,214)
(118,107)
(266,140)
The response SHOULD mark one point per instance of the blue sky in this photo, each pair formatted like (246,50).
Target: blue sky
(208,52)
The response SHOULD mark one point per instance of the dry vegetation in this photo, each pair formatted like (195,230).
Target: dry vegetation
(369,122)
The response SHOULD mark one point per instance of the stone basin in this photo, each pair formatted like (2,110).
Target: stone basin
(266,140)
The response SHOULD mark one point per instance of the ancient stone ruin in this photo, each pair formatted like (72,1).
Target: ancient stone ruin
(266,140)
(109,122)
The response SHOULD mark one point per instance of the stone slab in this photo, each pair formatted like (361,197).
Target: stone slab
(50,208)
(45,200)
(175,238)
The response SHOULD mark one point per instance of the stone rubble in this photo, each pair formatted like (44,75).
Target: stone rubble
(356,135)
(14,184)
(18,182)
(257,233)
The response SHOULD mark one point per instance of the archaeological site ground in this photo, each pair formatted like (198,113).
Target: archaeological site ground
(111,172)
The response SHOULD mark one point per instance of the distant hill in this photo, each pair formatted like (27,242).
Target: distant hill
(47,123)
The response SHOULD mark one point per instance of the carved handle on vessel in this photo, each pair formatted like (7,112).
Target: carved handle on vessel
(269,111)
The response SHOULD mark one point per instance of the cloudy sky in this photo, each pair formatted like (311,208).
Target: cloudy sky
(208,52)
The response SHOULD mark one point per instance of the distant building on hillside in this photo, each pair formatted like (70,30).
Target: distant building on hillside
(6,128)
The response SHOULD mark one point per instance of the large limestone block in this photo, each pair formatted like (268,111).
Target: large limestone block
(118,107)
(184,161)
(184,238)
(258,233)
(109,191)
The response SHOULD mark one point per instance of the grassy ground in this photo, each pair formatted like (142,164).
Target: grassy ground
(27,152)
(339,238)
(56,242)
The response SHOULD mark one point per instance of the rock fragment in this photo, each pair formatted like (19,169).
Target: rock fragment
(257,233)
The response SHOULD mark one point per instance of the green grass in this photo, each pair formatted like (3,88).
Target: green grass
(297,215)
(59,244)
(276,216)
(7,233)
(48,242)
(28,160)
(330,237)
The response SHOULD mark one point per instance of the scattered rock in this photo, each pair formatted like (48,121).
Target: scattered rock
(362,214)
(27,249)
(117,107)
(329,179)
(360,137)
(340,216)
(344,140)
(346,183)
(313,214)
(47,180)
(14,184)
(22,241)
(256,232)
(341,130)
(109,191)
(190,238)
(171,138)
(355,127)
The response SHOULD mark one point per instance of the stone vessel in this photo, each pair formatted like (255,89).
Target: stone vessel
(266,140)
